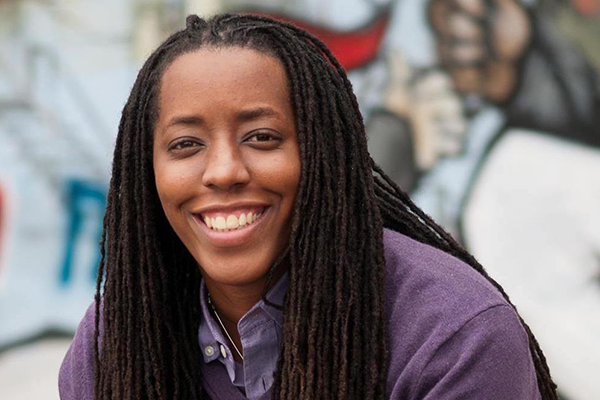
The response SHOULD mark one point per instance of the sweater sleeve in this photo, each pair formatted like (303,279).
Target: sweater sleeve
(76,375)
(487,358)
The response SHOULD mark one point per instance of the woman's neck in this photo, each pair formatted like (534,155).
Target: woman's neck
(233,302)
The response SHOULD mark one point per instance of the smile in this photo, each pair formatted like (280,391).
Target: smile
(227,227)
(233,221)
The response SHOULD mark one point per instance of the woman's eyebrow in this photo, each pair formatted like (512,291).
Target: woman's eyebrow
(255,113)
(241,116)
(184,120)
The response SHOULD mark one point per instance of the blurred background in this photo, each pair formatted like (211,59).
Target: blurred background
(486,111)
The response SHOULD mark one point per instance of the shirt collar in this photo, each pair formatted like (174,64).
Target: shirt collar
(210,332)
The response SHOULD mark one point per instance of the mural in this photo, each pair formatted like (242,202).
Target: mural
(486,111)
(2,222)
(534,198)
(55,145)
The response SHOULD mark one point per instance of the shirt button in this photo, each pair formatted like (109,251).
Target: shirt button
(223,352)
(209,350)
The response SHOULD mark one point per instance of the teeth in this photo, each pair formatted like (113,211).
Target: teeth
(231,223)
(220,223)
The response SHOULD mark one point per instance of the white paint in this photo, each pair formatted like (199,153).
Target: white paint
(533,220)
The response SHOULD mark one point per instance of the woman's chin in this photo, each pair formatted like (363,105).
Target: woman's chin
(227,274)
(238,267)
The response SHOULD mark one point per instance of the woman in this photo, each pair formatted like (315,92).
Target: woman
(244,253)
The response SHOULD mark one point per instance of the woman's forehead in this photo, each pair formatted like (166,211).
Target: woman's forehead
(212,67)
(215,80)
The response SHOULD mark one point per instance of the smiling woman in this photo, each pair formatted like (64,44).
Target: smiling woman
(226,150)
(244,252)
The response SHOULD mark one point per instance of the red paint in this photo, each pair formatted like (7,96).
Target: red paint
(587,8)
(353,48)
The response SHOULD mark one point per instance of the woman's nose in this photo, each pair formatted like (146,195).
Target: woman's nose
(225,168)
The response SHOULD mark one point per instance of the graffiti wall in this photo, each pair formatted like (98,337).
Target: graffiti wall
(56,132)
(486,111)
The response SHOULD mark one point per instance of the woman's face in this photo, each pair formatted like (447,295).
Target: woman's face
(227,160)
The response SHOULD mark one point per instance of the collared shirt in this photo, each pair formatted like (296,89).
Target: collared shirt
(261,333)
(451,336)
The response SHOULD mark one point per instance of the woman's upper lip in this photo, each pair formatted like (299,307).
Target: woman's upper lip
(229,208)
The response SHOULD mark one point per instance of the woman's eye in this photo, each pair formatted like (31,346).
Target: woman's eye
(184,144)
(262,137)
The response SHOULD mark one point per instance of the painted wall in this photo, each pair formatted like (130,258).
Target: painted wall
(64,75)
(487,111)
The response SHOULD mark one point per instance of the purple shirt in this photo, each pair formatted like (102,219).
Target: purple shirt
(451,336)
(261,332)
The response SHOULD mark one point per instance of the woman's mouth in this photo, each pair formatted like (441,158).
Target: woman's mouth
(233,221)
(232,227)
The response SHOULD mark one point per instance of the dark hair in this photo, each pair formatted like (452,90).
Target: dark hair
(150,302)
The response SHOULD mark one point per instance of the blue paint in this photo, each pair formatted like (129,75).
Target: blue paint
(78,193)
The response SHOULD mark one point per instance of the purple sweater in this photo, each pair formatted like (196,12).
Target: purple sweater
(451,336)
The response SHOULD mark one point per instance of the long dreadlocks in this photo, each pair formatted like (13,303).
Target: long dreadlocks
(148,347)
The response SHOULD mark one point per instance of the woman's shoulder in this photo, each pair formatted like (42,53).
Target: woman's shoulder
(432,289)
(420,273)
(450,330)
(76,376)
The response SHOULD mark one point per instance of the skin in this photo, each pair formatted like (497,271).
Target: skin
(226,141)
